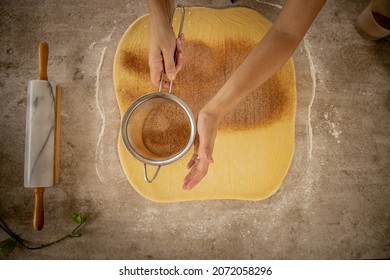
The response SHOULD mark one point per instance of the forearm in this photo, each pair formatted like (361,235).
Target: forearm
(160,12)
(267,57)
(263,62)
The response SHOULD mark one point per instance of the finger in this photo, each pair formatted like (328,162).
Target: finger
(155,71)
(201,167)
(179,61)
(155,78)
(199,164)
(190,174)
(192,161)
(167,84)
(180,48)
(182,38)
(169,64)
(196,145)
(206,146)
(195,179)
(197,173)
(156,64)
(205,150)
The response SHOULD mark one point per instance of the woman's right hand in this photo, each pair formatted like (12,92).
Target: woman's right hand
(163,47)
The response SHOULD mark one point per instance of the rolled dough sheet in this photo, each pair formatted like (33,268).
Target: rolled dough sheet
(255,143)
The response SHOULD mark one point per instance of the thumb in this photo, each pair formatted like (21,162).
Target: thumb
(207,131)
(169,65)
(205,150)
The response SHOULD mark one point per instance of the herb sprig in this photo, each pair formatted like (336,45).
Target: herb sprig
(9,244)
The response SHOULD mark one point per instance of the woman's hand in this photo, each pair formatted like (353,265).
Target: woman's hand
(163,47)
(203,149)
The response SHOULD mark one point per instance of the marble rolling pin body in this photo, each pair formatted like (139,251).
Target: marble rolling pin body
(40,168)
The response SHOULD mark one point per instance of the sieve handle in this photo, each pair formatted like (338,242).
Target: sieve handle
(174,56)
(146,174)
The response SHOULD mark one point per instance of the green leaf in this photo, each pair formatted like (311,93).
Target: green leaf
(7,246)
(4,242)
(78,219)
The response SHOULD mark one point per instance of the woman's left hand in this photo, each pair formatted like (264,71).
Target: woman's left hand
(203,149)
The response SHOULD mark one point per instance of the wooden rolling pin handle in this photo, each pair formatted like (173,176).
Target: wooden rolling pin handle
(43,51)
(39,216)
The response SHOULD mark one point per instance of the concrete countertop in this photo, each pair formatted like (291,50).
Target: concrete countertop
(333,204)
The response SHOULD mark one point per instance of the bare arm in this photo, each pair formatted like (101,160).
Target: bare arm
(265,60)
(163,42)
(268,56)
(160,11)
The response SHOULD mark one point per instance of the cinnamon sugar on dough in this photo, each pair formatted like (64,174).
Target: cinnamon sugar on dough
(255,142)
(167,129)
(206,70)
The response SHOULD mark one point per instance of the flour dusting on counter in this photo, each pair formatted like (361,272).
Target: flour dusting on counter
(100,105)
(334,126)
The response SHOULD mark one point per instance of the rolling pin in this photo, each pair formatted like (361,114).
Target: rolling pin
(41,164)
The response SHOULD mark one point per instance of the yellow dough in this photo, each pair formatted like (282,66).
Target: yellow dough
(255,142)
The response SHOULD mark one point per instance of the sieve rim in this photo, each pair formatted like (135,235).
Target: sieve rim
(141,100)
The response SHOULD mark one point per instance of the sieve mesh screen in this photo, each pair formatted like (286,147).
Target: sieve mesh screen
(158,129)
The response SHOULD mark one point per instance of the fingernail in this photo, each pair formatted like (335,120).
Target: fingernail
(171,76)
(210,158)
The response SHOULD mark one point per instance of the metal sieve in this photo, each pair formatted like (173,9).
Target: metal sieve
(159,128)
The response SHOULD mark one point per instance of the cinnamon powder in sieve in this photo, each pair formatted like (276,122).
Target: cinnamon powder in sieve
(166,130)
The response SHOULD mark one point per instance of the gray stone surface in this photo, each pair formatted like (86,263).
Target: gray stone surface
(333,204)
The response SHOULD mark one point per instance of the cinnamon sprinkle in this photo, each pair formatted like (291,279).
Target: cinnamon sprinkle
(205,71)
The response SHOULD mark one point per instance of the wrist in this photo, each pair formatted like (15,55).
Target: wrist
(160,12)
(212,113)
(221,103)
